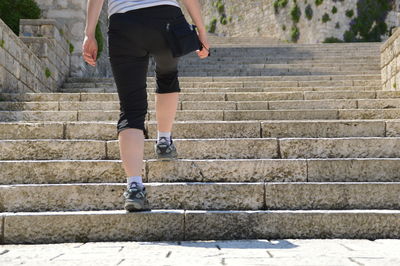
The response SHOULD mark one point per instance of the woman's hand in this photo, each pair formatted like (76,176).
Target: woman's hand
(203,53)
(89,50)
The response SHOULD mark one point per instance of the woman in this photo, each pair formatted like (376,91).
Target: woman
(135,31)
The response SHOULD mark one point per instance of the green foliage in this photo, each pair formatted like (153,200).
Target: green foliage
(61,32)
(337,25)
(258,29)
(71,47)
(278,4)
(11,11)
(334,10)
(283,27)
(349,13)
(294,34)
(318,2)
(369,24)
(220,7)
(223,20)
(295,13)
(325,18)
(230,19)
(47,72)
(348,36)
(309,12)
(212,26)
(99,38)
(222,16)
(394,85)
(2,43)
(332,40)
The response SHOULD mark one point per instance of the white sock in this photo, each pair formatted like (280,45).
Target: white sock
(164,134)
(137,179)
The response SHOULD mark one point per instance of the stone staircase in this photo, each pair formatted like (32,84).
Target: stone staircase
(274,141)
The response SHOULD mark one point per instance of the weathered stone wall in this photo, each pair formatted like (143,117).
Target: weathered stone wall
(21,70)
(72,13)
(258,18)
(390,62)
(45,37)
(243,18)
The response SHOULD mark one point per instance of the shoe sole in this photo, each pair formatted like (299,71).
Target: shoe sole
(135,206)
(168,157)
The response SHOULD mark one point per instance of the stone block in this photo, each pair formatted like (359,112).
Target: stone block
(61,171)
(52,149)
(313,104)
(326,129)
(317,95)
(383,147)
(264,96)
(37,130)
(279,115)
(208,105)
(91,130)
(354,170)
(212,129)
(228,225)
(378,103)
(194,115)
(56,227)
(210,148)
(254,170)
(38,116)
(339,196)
(369,114)
(105,115)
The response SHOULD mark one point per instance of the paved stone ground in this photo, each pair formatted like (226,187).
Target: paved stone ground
(232,252)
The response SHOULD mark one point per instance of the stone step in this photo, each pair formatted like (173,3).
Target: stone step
(113,89)
(174,225)
(284,58)
(209,105)
(210,170)
(276,52)
(208,129)
(276,43)
(212,96)
(257,72)
(233,79)
(207,115)
(314,66)
(204,196)
(228,148)
(243,84)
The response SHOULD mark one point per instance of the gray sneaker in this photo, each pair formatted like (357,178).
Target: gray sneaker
(165,151)
(136,198)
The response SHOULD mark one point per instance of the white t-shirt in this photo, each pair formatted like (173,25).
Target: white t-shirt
(122,6)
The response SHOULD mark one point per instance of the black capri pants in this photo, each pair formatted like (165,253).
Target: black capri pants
(132,37)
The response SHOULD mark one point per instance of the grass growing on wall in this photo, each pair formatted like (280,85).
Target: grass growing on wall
(295,33)
(11,11)
(325,18)
(278,4)
(309,12)
(295,13)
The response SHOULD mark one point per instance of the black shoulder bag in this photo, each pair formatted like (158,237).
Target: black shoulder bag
(182,37)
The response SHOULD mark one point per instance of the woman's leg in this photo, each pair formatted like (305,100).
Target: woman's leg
(166,105)
(131,147)
(167,89)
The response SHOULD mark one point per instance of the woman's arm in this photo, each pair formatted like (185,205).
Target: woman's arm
(194,9)
(89,47)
